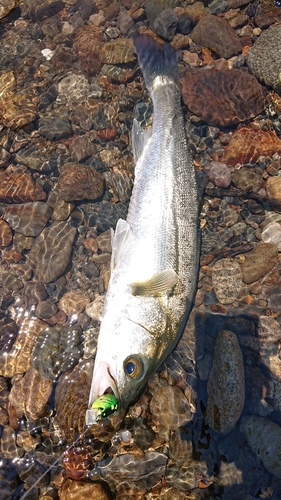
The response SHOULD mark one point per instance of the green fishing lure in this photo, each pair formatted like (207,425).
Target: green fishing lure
(105,405)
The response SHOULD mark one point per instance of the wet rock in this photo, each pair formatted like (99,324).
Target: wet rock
(180,446)
(20,188)
(73,303)
(57,349)
(222,97)
(247,145)
(45,9)
(95,308)
(87,46)
(11,282)
(8,445)
(264,438)
(73,87)
(120,183)
(17,110)
(71,397)
(45,309)
(170,407)
(273,364)
(272,234)
(216,34)
(55,125)
(219,173)
(61,208)
(118,51)
(28,218)
(273,188)
(124,22)
(104,241)
(247,178)
(75,490)
(80,182)
(17,360)
(104,215)
(257,388)
(165,24)
(81,148)
(34,292)
(154,7)
(30,395)
(259,261)
(35,159)
(51,251)
(6,235)
(6,7)
(226,390)
(264,57)
(227,280)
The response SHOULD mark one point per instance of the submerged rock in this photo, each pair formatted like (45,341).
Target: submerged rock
(226,389)
(216,34)
(259,261)
(170,407)
(264,437)
(28,218)
(20,188)
(227,280)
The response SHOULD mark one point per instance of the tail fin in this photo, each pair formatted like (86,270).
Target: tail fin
(155,59)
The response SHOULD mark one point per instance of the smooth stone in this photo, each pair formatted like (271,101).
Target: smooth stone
(154,7)
(226,386)
(73,303)
(272,234)
(216,34)
(51,251)
(219,173)
(28,218)
(227,280)
(165,24)
(259,261)
(264,437)
(45,309)
(6,235)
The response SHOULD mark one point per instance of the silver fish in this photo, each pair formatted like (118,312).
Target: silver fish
(155,251)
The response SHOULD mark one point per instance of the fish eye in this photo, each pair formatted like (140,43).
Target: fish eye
(133,367)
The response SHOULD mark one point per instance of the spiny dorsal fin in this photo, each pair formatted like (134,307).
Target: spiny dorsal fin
(160,282)
(120,239)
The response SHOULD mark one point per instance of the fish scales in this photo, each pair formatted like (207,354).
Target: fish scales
(155,251)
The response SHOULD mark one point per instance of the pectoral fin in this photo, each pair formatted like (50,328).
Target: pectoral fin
(119,241)
(160,282)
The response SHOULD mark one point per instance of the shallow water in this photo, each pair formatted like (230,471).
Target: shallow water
(208,424)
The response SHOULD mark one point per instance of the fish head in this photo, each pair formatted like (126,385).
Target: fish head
(124,364)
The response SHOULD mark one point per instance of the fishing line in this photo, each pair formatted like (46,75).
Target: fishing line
(54,464)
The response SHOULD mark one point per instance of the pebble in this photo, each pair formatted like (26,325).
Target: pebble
(28,218)
(30,395)
(8,445)
(50,253)
(73,303)
(216,34)
(80,182)
(118,51)
(222,97)
(95,308)
(247,178)
(273,188)
(75,490)
(259,261)
(20,188)
(226,389)
(104,215)
(165,24)
(264,57)
(45,309)
(219,173)
(57,349)
(272,234)
(170,407)
(227,280)
(87,46)
(264,438)
(180,446)
(6,235)
(154,7)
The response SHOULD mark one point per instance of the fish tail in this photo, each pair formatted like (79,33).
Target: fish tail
(155,59)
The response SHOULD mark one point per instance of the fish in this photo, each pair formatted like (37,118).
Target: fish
(155,251)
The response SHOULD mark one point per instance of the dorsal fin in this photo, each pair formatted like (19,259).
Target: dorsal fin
(120,239)
(140,138)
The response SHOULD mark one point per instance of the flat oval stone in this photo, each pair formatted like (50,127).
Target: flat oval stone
(226,386)
(264,437)
(258,261)
(227,280)
(28,218)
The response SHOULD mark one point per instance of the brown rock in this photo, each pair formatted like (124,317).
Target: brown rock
(76,490)
(259,261)
(19,188)
(17,110)
(222,98)
(28,218)
(273,187)
(87,46)
(118,51)
(247,145)
(6,235)
(170,407)
(267,13)
(80,182)
(73,303)
(30,395)
(196,11)
(247,178)
(216,34)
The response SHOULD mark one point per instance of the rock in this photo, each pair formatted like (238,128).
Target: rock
(264,437)
(226,389)
(30,395)
(6,235)
(227,280)
(34,292)
(55,125)
(104,215)
(87,46)
(259,261)
(118,51)
(273,188)
(264,57)
(165,24)
(219,173)
(104,241)
(95,308)
(180,446)
(19,188)
(216,34)
(57,349)
(257,388)
(51,251)
(75,490)
(247,178)
(73,87)
(73,303)
(154,7)
(267,13)
(17,110)
(6,7)
(36,159)
(120,183)
(28,218)
(272,234)
(80,182)
(81,148)
(247,145)
(222,97)
(45,309)
(273,364)
(170,407)
(8,445)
